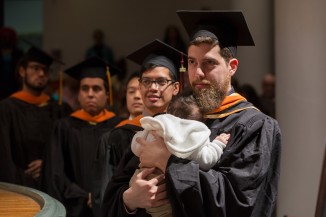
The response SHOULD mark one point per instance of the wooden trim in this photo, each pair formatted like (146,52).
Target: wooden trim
(23,199)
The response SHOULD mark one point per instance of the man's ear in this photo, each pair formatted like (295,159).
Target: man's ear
(21,71)
(176,88)
(233,66)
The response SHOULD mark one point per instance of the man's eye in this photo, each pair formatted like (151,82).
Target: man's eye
(161,82)
(210,62)
(190,61)
(146,82)
(97,88)
(84,88)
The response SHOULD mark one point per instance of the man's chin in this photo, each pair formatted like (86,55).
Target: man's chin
(39,88)
(92,112)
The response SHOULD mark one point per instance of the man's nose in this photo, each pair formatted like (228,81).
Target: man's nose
(137,95)
(155,85)
(42,72)
(200,72)
(90,92)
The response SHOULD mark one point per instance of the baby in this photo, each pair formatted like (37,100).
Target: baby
(184,135)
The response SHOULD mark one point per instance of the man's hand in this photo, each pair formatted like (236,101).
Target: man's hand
(89,201)
(34,169)
(143,193)
(153,153)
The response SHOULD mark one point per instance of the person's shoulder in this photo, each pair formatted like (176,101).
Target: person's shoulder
(6,107)
(55,103)
(12,103)
(5,102)
(256,118)
(125,130)
(122,133)
(67,122)
(116,119)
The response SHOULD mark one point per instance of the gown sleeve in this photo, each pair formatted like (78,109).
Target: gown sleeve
(56,182)
(9,171)
(115,157)
(113,202)
(243,183)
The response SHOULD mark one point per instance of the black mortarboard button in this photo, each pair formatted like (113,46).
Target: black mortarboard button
(159,53)
(228,27)
(94,67)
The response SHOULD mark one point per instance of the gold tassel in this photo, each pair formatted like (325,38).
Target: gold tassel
(110,85)
(182,70)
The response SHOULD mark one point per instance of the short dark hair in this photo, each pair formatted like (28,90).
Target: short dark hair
(225,52)
(185,106)
(135,74)
(151,66)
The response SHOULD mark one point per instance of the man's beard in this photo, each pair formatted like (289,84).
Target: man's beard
(211,98)
(37,88)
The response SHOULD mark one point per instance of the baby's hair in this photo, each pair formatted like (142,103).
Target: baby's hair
(185,106)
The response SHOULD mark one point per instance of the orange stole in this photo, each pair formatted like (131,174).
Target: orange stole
(228,102)
(83,115)
(135,121)
(31,99)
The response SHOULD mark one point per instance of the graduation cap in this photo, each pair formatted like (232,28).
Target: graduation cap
(94,67)
(36,54)
(161,54)
(229,28)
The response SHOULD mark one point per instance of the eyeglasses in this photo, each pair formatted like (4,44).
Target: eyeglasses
(160,82)
(37,68)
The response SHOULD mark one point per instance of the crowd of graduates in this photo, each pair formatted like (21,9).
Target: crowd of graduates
(82,155)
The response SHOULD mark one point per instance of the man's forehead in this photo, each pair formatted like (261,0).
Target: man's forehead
(34,63)
(92,81)
(208,53)
(157,72)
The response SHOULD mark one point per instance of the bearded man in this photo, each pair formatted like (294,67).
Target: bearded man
(27,119)
(243,182)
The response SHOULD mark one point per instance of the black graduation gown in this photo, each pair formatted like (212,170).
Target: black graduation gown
(242,184)
(25,130)
(69,164)
(112,147)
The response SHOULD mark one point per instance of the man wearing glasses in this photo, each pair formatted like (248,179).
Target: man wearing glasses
(26,118)
(158,84)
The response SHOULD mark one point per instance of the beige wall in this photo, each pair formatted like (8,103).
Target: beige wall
(255,62)
(68,24)
(300,35)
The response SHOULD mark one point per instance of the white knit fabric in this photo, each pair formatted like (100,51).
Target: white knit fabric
(184,138)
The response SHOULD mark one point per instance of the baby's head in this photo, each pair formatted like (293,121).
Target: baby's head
(185,106)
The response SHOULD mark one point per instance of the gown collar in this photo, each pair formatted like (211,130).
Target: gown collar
(27,97)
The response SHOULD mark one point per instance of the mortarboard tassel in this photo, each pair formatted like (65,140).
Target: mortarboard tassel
(60,84)
(182,70)
(110,85)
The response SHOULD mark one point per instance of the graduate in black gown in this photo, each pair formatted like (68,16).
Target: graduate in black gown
(106,160)
(244,182)
(70,157)
(159,82)
(26,120)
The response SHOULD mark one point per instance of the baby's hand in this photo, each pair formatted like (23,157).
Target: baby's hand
(223,137)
